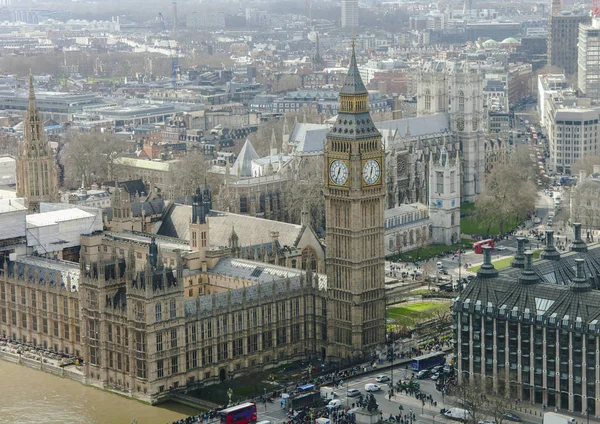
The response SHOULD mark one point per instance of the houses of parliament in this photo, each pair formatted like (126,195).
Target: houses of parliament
(150,313)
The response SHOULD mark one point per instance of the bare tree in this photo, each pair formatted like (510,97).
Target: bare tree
(585,163)
(510,191)
(307,191)
(87,157)
(429,272)
(190,173)
(484,399)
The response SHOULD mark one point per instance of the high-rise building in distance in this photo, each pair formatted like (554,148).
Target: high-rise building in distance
(562,40)
(349,13)
(588,59)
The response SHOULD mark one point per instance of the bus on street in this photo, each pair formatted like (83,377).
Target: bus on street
(243,413)
(428,361)
(478,245)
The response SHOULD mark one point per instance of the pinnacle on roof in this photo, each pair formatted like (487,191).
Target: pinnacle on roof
(354,83)
(32,104)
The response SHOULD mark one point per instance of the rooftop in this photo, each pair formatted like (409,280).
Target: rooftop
(12,205)
(54,217)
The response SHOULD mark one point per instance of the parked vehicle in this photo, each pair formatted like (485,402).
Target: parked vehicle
(554,418)
(511,416)
(382,378)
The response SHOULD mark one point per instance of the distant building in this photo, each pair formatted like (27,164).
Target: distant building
(588,60)
(562,40)
(548,85)
(572,134)
(349,13)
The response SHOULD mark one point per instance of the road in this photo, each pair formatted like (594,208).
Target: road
(427,414)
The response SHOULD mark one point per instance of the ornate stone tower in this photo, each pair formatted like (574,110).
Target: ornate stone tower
(37,179)
(444,198)
(467,120)
(355,196)
(456,89)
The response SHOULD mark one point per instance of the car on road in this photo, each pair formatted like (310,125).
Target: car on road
(353,393)
(370,387)
(382,378)
(501,248)
(511,416)
(487,422)
(335,403)
(423,374)
(443,271)
(439,265)
(437,368)
(435,377)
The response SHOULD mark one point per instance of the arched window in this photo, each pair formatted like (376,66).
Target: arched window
(440,101)
(452,219)
(309,259)
(427,99)
(461,101)
(158,312)
(391,244)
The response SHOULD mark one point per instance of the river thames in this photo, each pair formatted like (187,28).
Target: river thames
(35,397)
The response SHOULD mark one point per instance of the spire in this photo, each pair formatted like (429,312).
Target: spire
(273,144)
(32,104)
(33,128)
(354,83)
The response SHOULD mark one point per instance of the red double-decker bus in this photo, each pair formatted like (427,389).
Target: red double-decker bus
(478,245)
(240,414)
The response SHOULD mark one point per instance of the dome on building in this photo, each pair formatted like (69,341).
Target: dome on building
(490,43)
(510,40)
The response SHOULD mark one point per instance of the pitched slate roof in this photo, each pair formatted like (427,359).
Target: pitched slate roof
(243,164)
(353,84)
(560,297)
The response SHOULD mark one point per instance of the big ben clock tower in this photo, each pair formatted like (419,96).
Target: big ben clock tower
(354,194)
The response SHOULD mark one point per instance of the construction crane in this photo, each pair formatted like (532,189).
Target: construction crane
(175,70)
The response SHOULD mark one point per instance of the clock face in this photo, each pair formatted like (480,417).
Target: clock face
(338,172)
(371,172)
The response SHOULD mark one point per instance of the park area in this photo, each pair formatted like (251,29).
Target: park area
(471,224)
(411,314)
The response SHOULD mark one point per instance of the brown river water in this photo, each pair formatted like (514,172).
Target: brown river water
(29,396)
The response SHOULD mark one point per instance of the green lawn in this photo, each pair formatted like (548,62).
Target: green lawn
(472,225)
(415,311)
(503,263)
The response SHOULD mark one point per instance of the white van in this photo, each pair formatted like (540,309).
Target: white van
(457,414)
(369,387)
(328,393)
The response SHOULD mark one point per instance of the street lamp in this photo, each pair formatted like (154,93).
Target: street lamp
(229,395)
